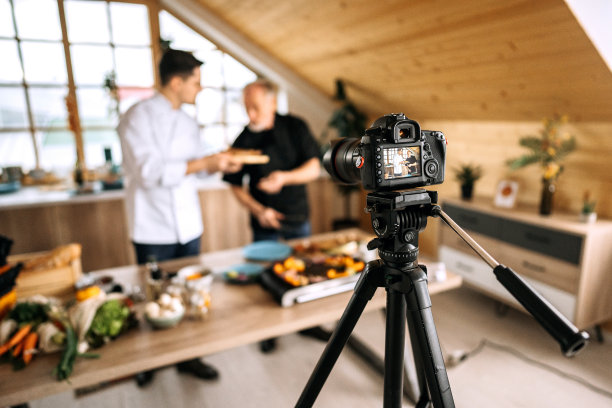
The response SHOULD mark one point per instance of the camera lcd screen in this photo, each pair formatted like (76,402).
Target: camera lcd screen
(402,162)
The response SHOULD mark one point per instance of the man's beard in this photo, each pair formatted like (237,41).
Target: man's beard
(259,127)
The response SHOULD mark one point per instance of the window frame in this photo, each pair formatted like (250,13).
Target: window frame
(32,128)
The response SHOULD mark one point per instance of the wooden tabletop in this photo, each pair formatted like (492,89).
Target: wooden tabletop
(239,315)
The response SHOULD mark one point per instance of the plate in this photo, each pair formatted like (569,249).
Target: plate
(266,251)
(243,273)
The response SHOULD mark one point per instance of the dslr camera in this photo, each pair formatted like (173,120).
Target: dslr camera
(393,154)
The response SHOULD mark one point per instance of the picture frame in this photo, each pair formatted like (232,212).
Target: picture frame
(505,196)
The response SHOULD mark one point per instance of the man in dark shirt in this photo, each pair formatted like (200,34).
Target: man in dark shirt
(276,194)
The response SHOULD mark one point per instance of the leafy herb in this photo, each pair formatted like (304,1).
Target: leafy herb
(29,313)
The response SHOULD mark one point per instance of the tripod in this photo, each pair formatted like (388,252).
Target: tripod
(397,218)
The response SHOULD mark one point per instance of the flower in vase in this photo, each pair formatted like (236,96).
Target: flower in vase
(548,149)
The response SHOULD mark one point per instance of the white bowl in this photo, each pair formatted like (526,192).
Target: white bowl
(206,274)
(165,322)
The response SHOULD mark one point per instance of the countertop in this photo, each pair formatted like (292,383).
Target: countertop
(38,196)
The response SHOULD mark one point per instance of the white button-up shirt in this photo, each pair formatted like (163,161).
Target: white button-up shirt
(162,202)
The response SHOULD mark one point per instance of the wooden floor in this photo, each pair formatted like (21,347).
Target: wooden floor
(505,372)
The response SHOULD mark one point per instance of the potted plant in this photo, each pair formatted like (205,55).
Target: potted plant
(346,121)
(588,214)
(467,175)
(549,150)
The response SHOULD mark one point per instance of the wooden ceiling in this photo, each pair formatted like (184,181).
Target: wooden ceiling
(467,59)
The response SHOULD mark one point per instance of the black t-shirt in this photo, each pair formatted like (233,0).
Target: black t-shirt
(289,145)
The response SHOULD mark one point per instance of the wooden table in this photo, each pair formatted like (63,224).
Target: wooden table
(239,315)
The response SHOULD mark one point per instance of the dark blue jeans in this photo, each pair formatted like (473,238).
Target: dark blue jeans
(163,252)
(287,231)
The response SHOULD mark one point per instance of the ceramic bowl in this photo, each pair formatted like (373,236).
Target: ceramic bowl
(165,322)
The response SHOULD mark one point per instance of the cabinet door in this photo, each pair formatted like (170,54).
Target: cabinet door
(549,270)
(474,221)
(554,243)
(478,274)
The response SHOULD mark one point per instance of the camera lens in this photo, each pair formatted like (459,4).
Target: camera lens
(340,160)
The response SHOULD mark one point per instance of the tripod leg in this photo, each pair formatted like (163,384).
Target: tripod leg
(394,348)
(364,290)
(420,320)
(415,380)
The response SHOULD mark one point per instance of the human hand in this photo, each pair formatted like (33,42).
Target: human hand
(226,163)
(273,183)
(269,218)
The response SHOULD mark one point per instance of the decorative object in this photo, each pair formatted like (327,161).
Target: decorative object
(505,196)
(467,175)
(346,121)
(588,214)
(110,85)
(549,149)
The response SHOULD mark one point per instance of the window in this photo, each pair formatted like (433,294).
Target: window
(218,109)
(106,42)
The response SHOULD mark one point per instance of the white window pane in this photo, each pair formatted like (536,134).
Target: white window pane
(91,63)
(209,104)
(37,19)
(181,36)
(13,108)
(235,108)
(212,70)
(96,107)
(57,149)
(44,62)
(130,24)
(6,20)
(87,21)
(95,141)
(134,66)
(236,74)
(10,68)
(17,149)
(128,96)
(214,137)
(49,106)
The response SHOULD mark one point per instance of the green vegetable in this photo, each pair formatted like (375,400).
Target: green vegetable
(109,321)
(64,368)
(29,313)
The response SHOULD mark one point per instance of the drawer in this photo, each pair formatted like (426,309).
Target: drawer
(478,274)
(485,224)
(554,243)
(473,270)
(449,238)
(552,271)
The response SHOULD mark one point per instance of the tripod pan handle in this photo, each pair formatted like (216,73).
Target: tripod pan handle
(567,335)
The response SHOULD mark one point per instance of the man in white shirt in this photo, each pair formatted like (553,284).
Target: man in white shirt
(162,154)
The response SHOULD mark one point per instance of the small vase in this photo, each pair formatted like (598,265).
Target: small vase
(467,191)
(546,201)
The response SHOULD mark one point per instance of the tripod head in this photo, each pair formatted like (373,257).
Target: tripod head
(397,219)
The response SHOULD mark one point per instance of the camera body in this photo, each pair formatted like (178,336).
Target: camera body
(393,154)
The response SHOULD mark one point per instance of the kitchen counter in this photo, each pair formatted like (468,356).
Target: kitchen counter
(38,196)
(38,220)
